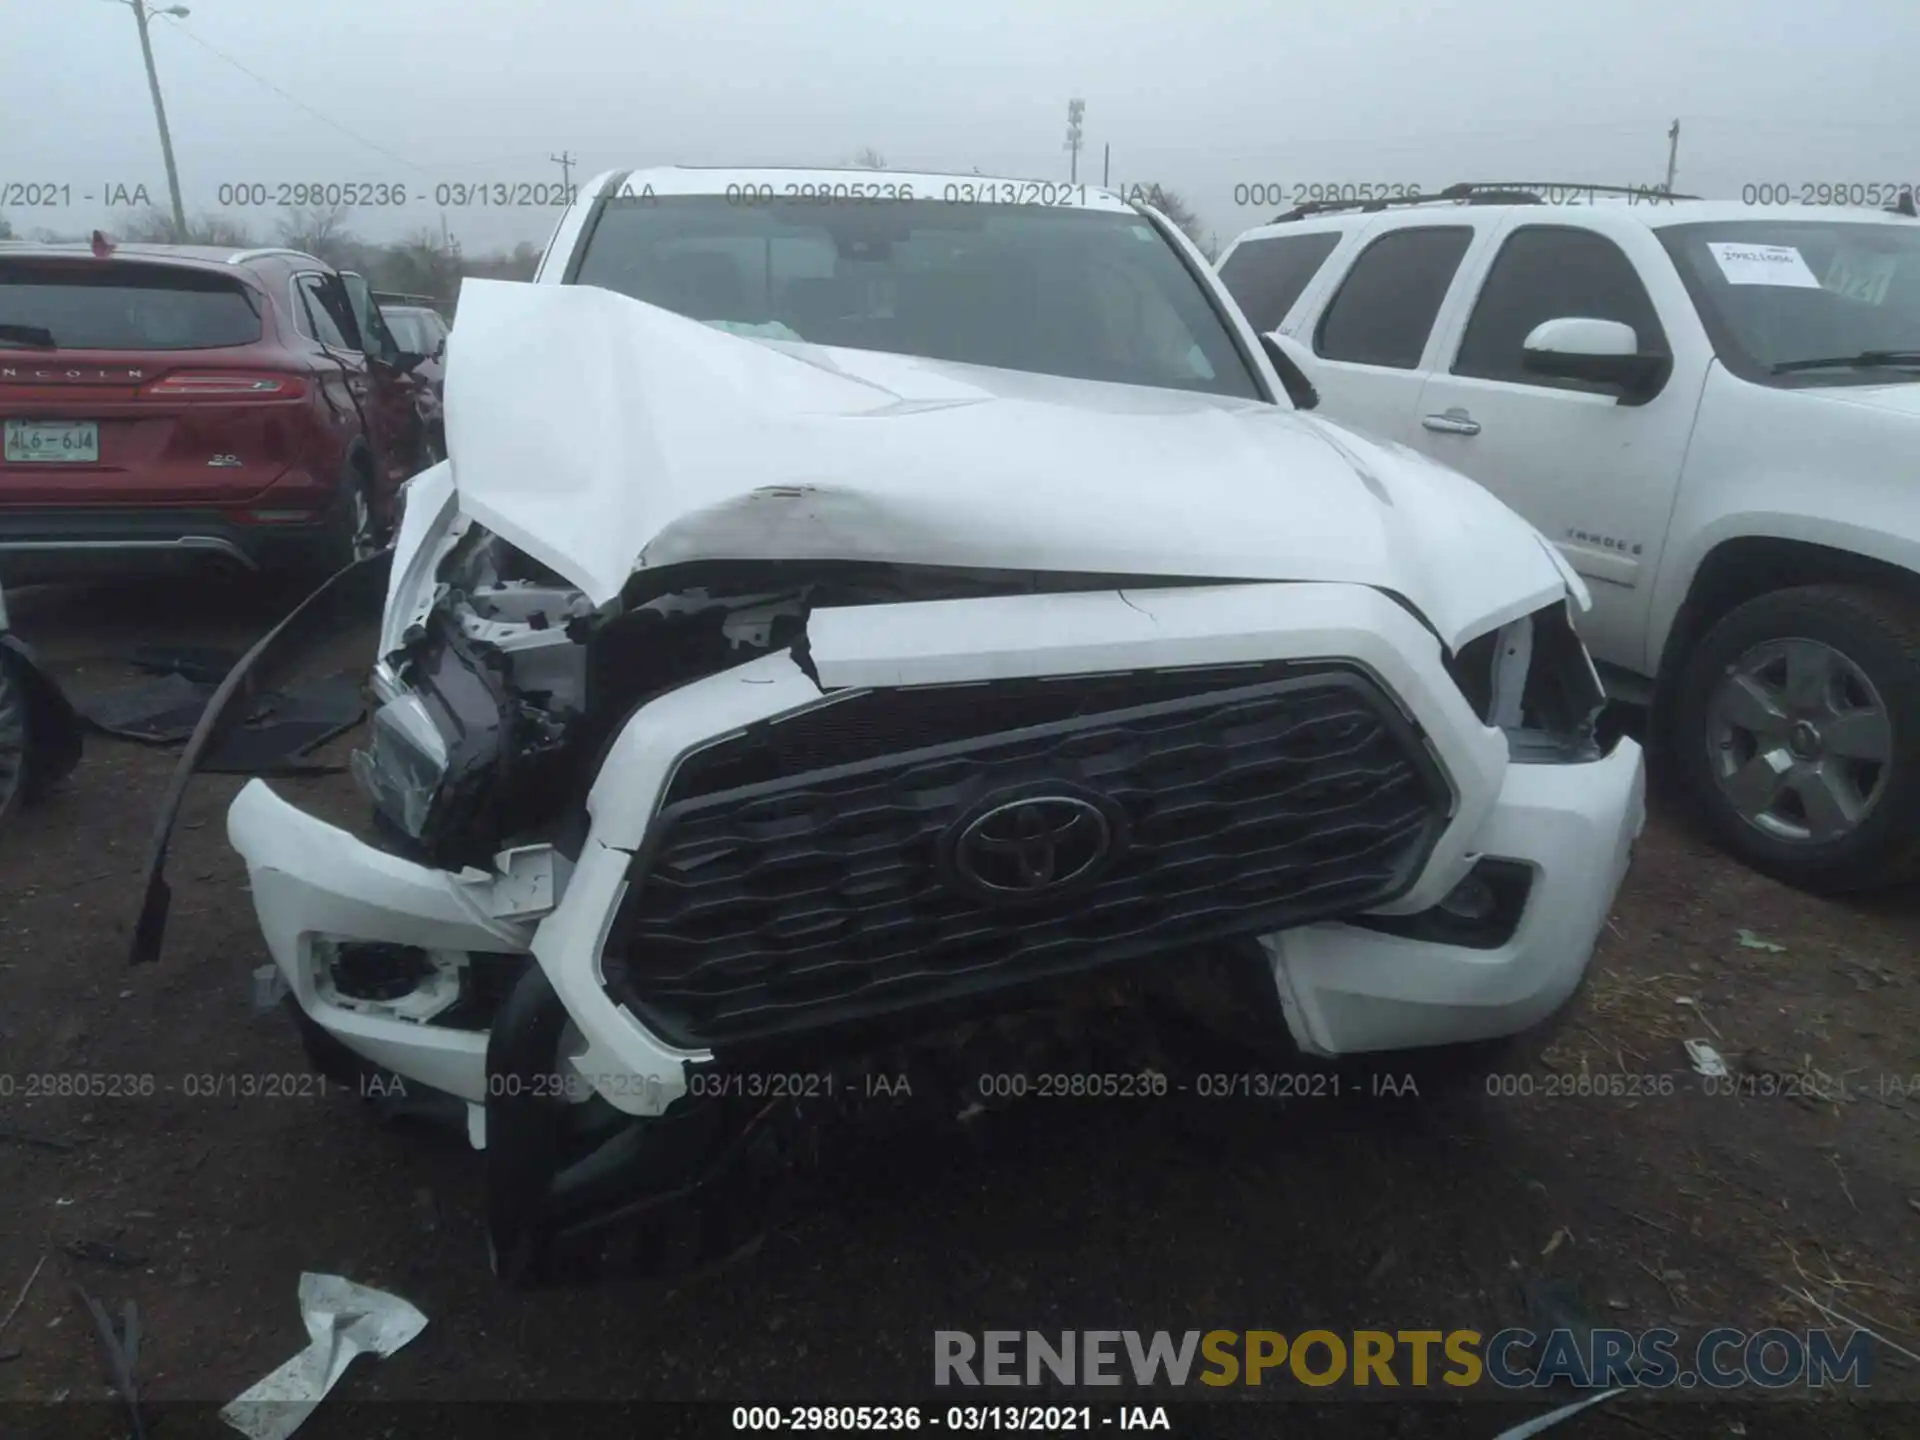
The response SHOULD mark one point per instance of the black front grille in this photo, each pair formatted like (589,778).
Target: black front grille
(802,874)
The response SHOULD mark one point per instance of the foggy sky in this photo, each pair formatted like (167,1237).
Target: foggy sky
(1199,96)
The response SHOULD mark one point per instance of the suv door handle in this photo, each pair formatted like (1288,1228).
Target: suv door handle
(1452,422)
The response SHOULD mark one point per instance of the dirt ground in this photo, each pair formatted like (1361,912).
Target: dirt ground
(1668,1206)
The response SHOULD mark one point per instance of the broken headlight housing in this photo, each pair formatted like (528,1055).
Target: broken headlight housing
(404,764)
(1533,679)
(437,756)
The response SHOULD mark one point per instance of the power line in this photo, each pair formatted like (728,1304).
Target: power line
(294,100)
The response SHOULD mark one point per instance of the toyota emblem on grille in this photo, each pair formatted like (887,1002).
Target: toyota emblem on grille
(1033,846)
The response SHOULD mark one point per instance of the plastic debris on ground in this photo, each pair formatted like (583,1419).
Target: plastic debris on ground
(1541,1423)
(344,1320)
(1706,1060)
(1750,941)
(280,730)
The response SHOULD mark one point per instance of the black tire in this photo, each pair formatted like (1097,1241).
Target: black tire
(16,736)
(1876,637)
(352,524)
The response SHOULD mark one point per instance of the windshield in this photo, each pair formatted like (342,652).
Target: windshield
(1776,292)
(1095,295)
(96,306)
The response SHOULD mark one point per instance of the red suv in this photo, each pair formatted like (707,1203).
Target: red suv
(175,405)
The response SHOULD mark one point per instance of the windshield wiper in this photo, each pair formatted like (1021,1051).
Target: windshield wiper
(29,335)
(1865,360)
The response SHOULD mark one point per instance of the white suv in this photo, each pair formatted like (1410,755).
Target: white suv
(1714,410)
(858,603)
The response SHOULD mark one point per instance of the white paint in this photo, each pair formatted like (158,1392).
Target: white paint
(603,435)
(1637,497)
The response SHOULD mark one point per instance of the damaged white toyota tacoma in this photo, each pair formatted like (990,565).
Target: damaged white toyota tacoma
(861,607)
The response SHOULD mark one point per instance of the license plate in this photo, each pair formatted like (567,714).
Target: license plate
(52,442)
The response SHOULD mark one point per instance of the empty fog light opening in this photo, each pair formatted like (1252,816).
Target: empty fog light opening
(1482,912)
(404,982)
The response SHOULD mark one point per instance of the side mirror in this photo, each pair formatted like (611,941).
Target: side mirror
(1287,355)
(407,361)
(1600,352)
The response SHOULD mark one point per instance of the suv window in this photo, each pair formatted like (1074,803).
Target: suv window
(108,306)
(1265,277)
(1551,272)
(411,329)
(1089,294)
(323,315)
(1387,304)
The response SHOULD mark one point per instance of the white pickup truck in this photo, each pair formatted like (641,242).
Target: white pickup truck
(1714,410)
(859,605)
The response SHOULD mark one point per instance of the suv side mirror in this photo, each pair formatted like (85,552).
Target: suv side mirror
(1281,350)
(1601,352)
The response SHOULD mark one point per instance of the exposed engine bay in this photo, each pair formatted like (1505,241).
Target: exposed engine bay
(503,693)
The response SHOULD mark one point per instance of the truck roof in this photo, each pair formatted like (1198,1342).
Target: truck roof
(925,184)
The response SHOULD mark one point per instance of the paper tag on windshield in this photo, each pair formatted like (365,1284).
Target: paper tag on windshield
(1860,276)
(1762,265)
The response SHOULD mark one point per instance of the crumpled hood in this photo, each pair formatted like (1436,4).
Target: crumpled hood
(603,435)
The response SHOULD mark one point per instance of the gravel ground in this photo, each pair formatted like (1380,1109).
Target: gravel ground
(1663,1207)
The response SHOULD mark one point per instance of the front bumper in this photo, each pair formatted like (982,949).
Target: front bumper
(1344,988)
(1349,990)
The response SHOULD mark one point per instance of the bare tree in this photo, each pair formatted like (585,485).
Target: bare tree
(6,229)
(868,158)
(320,230)
(1169,204)
(417,265)
(156,227)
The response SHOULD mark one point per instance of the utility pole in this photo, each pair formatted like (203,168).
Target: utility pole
(160,112)
(1106,163)
(1075,110)
(565,160)
(1673,153)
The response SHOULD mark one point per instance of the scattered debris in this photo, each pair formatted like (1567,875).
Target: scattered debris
(344,1320)
(269,989)
(1834,1160)
(1700,1010)
(122,1345)
(276,735)
(206,664)
(1751,941)
(1848,1320)
(39,1142)
(105,1252)
(1554,1244)
(1547,1421)
(1706,1060)
(14,1309)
